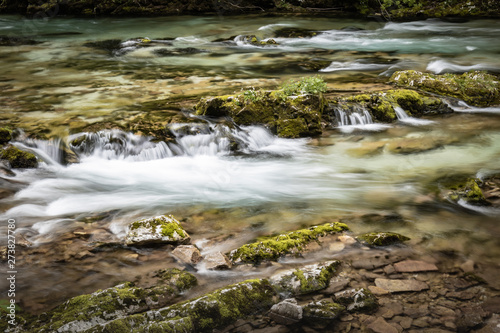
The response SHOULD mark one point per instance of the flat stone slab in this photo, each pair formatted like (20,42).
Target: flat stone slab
(408,266)
(395,286)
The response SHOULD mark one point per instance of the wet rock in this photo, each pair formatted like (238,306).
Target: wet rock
(381,238)
(322,313)
(292,243)
(293,111)
(336,284)
(470,192)
(286,312)
(357,300)
(84,312)
(379,325)
(5,169)
(472,317)
(377,291)
(395,286)
(109,45)
(205,313)
(408,266)
(16,41)
(216,260)
(5,135)
(177,52)
(304,280)
(492,305)
(160,229)
(18,158)
(188,254)
(292,32)
(252,39)
(476,88)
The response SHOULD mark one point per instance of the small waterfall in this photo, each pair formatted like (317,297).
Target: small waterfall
(405,118)
(357,116)
(400,113)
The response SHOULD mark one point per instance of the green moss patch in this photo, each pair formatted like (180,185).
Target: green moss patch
(381,238)
(159,229)
(272,248)
(306,279)
(294,110)
(18,158)
(470,192)
(5,135)
(476,88)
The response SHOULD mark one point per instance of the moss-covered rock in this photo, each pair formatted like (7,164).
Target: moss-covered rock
(202,314)
(159,229)
(292,243)
(475,88)
(470,192)
(287,113)
(381,104)
(84,312)
(322,313)
(18,158)
(306,279)
(5,135)
(356,300)
(381,238)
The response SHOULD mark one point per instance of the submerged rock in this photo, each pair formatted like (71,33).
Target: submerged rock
(293,32)
(156,230)
(292,243)
(18,158)
(16,41)
(395,286)
(306,279)
(475,88)
(286,312)
(83,313)
(381,238)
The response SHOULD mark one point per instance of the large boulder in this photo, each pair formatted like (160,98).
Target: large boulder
(161,229)
(292,243)
(295,110)
(475,88)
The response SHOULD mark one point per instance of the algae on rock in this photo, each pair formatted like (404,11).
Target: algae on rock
(293,111)
(381,238)
(18,158)
(305,280)
(476,88)
(158,229)
(470,192)
(272,248)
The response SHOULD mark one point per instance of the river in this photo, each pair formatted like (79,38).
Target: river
(59,87)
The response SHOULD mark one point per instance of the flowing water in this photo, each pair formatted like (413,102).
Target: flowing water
(61,86)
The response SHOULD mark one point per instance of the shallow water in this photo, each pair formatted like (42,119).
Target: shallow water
(268,185)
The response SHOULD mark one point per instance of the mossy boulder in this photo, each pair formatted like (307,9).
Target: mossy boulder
(305,280)
(476,88)
(356,300)
(5,135)
(289,116)
(470,192)
(381,105)
(291,243)
(202,314)
(84,312)
(322,313)
(381,238)
(161,229)
(18,158)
